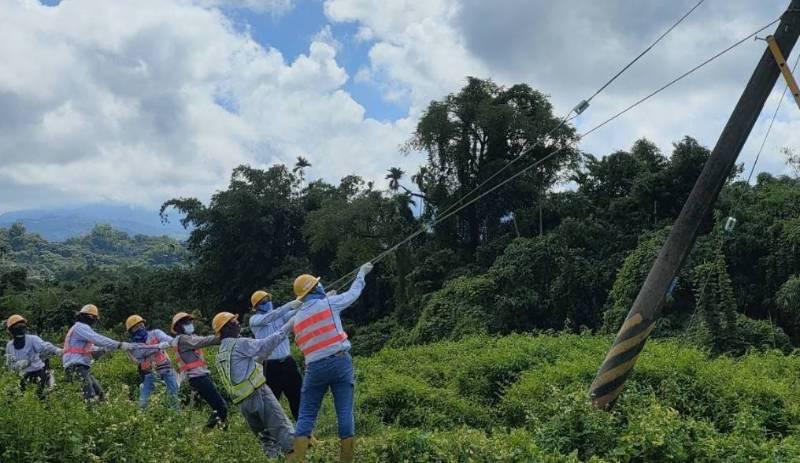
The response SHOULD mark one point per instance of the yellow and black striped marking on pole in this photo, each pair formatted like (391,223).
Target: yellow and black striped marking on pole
(620,360)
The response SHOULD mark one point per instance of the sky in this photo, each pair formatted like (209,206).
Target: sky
(140,101)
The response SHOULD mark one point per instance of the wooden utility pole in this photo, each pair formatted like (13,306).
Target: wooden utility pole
(633,334)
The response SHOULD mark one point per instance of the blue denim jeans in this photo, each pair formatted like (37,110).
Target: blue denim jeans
(148,385)
(334,372)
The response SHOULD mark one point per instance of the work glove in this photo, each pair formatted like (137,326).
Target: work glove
(21,364)
(59,352)
(163,345)
(127,346)
(331,293)
(295,304)
(365,269)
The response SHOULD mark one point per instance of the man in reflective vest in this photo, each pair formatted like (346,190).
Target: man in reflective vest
(239,364)
(80,344)
(151,360)
(283,375)
(25,353)
(319,334)
(192,365)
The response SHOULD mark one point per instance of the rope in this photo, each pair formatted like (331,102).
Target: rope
(450,211)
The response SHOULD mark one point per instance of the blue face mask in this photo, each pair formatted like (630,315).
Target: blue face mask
(139,335)
(265,306)
(319,289)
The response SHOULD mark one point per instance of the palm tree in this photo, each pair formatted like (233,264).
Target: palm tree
(394,176)
(300,167)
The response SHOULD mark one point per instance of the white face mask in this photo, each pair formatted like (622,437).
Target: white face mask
(188,328)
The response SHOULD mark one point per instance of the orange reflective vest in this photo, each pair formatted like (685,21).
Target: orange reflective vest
(69,349)
(317,335)
(193,359)
(159,358)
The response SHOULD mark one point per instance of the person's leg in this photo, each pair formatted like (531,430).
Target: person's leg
(314,386)
(88,381)
(205,388)
(41,378)
(96,387)
(292,386)
(145,389)
(276,422)
(251,410)
(171,382)
(342,388)
(274,375)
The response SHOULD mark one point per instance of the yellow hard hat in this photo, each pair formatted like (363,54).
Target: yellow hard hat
(132,321)
(178,317)
(259,296)
(304,284)
(221,319)
(90,309)
(14,319)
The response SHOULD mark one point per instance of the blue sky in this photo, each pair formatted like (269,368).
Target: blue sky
(292,32)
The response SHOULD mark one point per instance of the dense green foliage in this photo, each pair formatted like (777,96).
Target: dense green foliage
(525,258)
(451,378)
(519,398)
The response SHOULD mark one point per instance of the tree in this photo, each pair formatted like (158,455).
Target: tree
(394,176)
(470,135)
(248,235)
(300,167)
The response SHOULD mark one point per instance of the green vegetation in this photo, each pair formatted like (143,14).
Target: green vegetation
(519,398)
(444,373)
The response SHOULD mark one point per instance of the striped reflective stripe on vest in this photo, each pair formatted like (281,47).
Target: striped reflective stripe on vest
(194,359)
(317,331)
(159,358)
(69,349)
(244,389)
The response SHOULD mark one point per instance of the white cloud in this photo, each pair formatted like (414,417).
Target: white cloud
(423,50)
(143,100)
(122,104)
(273,6)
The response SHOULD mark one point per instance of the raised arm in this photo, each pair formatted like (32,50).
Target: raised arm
(261,348)
(342,301)
(261,319)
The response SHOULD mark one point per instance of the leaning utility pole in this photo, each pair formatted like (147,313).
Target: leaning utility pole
(622,356)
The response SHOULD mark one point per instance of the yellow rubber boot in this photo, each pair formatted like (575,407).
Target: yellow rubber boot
(300,448)
(346,452)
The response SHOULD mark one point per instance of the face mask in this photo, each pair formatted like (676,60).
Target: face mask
(265,306)
(139,334)
(19,331)
(319,289)
(188,328)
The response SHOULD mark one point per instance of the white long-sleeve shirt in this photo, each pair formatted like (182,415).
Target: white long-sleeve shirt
(148,354)
(265,324)
(33,351)
(249,353)
(81,334)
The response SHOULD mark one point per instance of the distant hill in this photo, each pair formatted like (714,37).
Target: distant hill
(63,224)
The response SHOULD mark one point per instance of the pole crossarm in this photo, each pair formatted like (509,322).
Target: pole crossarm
(787,73)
